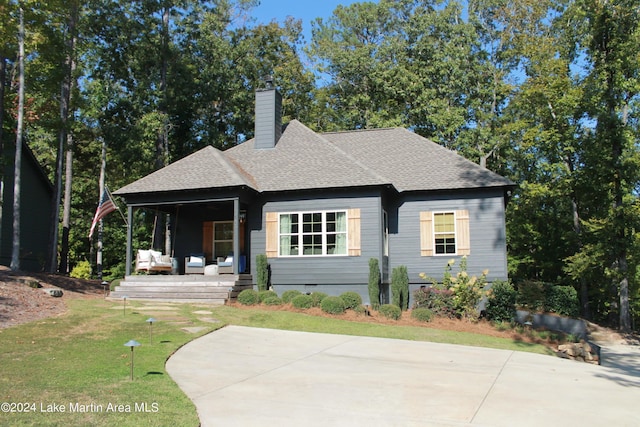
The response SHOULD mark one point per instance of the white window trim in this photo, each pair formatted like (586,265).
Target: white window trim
(300,234)
(435,235)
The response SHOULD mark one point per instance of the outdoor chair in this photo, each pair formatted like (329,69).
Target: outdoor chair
(194,264)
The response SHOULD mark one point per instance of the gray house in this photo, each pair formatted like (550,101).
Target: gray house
(36,192)
(321,205)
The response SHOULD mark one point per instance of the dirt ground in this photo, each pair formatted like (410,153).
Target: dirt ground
(20,302)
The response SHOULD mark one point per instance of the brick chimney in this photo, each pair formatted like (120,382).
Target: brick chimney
(268,126)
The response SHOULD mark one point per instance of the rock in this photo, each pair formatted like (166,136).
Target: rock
(53,292)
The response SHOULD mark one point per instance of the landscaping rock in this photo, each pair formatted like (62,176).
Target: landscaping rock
(53,292)
(580,351)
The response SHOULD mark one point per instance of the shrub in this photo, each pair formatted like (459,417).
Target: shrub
(467,291)
(263,295)
(438,301)
(272,300)
(374,283)
(400,287)
(562,300)
(501,302)
(302,301)
(531,295)
(82,270)
(248,297)
(262,272)
(351,300)
(287,296)
(317,298)
(422,314)
(390,311)
(332,305)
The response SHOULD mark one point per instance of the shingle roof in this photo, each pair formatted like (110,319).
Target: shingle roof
(206,168)
(303,160)
(414,163)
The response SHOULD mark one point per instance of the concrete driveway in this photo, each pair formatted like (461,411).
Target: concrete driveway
(239,376)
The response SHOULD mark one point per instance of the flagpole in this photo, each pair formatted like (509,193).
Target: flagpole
(103,166)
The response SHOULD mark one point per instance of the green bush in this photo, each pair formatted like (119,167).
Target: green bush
(374,283)
(332,305)
(263,295)
(272,300)
(422,314)
(438,301)
(562,300)
(501,302)
(531,295)
(390,311)
(317,298)
(82,270)
(302,301)
(248,297)
(400,287)
(287,296)
(262,272)
(351,300)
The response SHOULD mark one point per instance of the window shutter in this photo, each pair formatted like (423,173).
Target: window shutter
(426,233)
(271,235)
(207,239)
(353,216)
(463,240)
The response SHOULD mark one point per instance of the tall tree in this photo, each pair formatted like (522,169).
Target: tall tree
(613,85)
(15,251)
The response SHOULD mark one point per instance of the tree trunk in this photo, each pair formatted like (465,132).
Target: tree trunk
(15,251)
(3,76)
(65,135)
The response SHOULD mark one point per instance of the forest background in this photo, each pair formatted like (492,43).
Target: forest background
(544,92)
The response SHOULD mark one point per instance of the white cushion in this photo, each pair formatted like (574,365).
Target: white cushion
(195,260)
(143,255)
(156,254)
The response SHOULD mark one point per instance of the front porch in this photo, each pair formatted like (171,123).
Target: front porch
(192,288)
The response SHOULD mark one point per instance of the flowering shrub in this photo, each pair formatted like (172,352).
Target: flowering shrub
(438,301)
(466,290)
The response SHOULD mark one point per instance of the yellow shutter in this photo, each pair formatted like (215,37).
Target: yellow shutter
(353,216)
(207,239)
(463,240)
(271,236)
(426,234)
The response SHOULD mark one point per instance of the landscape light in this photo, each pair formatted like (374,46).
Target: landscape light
(132,343)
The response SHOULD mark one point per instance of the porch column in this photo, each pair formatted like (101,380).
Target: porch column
(236,235)
(129,239)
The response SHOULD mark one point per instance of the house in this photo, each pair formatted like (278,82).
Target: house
(36,192)
(321,205)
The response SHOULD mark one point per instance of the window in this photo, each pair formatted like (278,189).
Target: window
(312,233)
(222,238)
(444,232)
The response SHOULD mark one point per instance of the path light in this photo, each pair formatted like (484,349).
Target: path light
(132,343)
(124,305)
(150,321)
(104,287)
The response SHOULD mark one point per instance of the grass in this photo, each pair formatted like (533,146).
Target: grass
(78,362)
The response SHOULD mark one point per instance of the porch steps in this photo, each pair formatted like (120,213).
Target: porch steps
(186,288)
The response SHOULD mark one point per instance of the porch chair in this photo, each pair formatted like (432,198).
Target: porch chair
(194,264)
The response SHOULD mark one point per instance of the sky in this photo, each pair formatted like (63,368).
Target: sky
(306,10)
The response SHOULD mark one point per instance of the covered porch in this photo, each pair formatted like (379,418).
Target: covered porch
(213,228)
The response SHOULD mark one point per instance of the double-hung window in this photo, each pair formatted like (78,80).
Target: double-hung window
(444,233)
(312,233)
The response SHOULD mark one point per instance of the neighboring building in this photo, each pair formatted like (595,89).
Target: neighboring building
(321,205)
(36,192)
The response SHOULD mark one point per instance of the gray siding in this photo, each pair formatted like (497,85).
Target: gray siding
(326,274)
(486,228)
(35,210)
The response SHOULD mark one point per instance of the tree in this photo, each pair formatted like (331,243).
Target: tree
(15,251)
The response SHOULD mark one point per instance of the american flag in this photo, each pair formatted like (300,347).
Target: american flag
(105,207)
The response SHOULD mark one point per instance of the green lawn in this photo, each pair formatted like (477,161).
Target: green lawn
(78,363)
